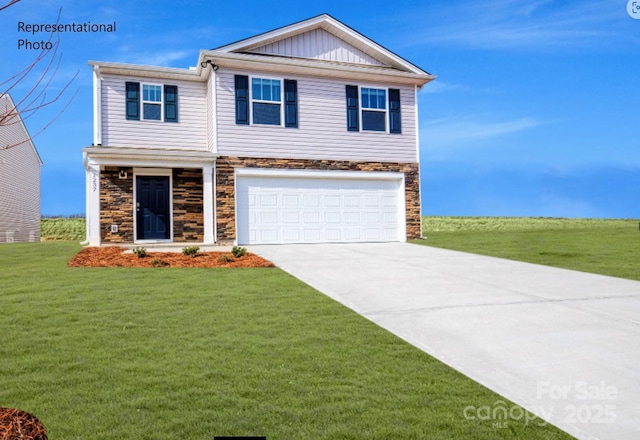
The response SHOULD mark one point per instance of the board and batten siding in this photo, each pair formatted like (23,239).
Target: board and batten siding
(210,92)
(318,44)
(19,186)
(189,133)
(322,132)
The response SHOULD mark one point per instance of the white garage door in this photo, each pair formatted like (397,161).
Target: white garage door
(319,207)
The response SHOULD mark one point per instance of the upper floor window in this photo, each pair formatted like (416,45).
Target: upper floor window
(266,101)
(373,109)
(155,103)
(151,102)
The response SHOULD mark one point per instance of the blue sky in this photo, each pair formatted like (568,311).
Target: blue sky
(535,111)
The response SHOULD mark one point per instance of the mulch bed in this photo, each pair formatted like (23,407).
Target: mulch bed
(16,424)
(115,257)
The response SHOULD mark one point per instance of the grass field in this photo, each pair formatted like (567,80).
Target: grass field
(193,353)
(608,247)
(63,228)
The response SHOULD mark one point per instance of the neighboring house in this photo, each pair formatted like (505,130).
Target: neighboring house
(304,134)
(19,178)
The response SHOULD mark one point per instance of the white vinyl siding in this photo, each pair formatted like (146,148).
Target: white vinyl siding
(190,132)
(322,132)
(19,184)
(318,44)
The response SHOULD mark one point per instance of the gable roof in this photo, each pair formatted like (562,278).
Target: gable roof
(323,41)
(319,46)
(331,26)
(13,132)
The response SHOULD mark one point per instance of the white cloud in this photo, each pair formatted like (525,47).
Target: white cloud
(156,58)
(438,86)
(509,24)
(453,131)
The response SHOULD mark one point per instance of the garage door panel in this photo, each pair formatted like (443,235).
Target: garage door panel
(389,217)
(291,217)
(291,235)
(390,201)
(267,217)
(278,209)
(351,201)
(312,217)
(268,235)
(311,200)
(371,234)
(268,200)
(333,235)
(351,218)
(390,233)
(332,218)
(290,200)
(312,236)
(332,201)
(371,218)
(352,234)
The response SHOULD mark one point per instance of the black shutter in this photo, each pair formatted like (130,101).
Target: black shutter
(352,108)
(395,126)
(170,103)
(132,100)
(291,103)
(242,99)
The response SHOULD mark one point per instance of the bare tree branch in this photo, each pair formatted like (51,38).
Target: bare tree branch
(12,2)
(35,99)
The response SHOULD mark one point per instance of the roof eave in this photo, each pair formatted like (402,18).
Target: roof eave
(311,67)
(197,74)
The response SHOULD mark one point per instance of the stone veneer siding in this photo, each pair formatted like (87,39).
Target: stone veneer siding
(225,186)
(116,205)
(188,218)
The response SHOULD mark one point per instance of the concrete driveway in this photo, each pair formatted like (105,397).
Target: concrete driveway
(563,344)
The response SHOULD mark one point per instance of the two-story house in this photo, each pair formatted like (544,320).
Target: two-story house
(304,134)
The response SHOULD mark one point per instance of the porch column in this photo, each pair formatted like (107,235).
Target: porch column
(93,204)
(207,180)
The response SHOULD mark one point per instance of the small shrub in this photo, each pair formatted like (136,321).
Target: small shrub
(238,251)
(224,258)
(140,252)
(157,262)
(191,251)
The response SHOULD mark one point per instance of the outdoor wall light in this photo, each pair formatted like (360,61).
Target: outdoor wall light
(214,67)
(122,174)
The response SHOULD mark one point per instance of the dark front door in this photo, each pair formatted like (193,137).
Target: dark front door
(153,219)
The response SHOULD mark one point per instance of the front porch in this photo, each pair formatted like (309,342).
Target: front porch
(145,197)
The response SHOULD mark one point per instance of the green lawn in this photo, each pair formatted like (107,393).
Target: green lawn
(608,247)
(192,353)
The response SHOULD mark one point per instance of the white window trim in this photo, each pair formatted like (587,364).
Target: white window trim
(385,111)
(252,100)
(143,102)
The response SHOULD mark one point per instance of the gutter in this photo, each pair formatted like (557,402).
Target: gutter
(311,67)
